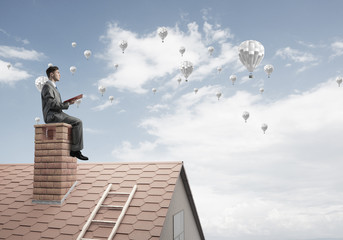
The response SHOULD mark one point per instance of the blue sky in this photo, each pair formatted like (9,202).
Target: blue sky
(285,184)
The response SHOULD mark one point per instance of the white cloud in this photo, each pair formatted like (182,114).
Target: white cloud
(282,184)
(148,60)
(337,48)
(296,55)
(105,105)
(11,75)
(20,53)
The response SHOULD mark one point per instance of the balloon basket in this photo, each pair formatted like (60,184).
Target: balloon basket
(251,76)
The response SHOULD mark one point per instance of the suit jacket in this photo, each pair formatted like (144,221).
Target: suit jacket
(52,104)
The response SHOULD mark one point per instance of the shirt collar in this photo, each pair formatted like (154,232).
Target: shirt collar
(53,83)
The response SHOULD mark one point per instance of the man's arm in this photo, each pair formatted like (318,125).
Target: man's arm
(51,100)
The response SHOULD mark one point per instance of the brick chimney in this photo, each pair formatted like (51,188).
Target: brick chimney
(54,169)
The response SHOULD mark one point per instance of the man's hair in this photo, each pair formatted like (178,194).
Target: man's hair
(51,70)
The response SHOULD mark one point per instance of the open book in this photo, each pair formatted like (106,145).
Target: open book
(74,98)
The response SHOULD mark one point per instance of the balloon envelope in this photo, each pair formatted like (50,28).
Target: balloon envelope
(73,44)
(219,94)
(210,50)
(40,81)
(72,69)
(102,89)
(186,69)
(87,53)
(182,50)
(245,115)
(268,69)
(251,53)
(339,81)
(162,32)
(264,127)
(196,90)
(111,98)
(123,45)
(233,79)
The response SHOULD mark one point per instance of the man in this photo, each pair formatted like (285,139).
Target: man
(52,107)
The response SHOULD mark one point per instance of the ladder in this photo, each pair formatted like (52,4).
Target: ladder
(100,205)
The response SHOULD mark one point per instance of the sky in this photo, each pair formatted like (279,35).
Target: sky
(285,184)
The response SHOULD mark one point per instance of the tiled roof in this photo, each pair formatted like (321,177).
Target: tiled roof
(22,219)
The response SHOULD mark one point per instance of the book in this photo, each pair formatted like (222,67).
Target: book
(74,98)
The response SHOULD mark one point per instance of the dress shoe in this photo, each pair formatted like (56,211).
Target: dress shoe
(78,155)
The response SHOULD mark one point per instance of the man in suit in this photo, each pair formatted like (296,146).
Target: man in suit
(52,107)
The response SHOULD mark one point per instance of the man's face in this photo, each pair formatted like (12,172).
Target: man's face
(55,76)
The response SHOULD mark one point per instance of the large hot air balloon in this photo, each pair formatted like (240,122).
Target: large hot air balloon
(182,50)
(233,79)
(339,81)
(268,69)
(186,68)
(245,115)
(73,44)
(251,53)
(102,89)
(162,32)
(40,81)
(264,127)
(87,53)
(72,69)
(123,45)
(210,50)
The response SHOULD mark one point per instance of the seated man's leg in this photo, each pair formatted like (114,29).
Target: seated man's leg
(76,132)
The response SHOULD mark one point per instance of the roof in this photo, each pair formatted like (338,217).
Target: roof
(143,220)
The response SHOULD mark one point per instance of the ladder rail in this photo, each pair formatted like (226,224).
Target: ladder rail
(123,212)
(96,209)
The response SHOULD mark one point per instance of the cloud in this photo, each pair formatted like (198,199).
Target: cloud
(147,60)
(20,53)
(337,48)
(12,74)
(296,55)
(105,105)
(18,39)
(279,185)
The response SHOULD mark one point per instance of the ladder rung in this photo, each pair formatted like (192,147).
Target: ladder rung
(103,221)
(111,206)
(119,193)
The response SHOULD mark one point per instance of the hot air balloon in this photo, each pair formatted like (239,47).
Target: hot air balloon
(72,69)
(251,53)
(123,45)
(219,69)
(210,50)
(154,90)
(162,32)
(233,79)
(40,81)
(102,89)
(196,90)
(73,44)
(245,115)
(116,65)
(111,98)
(87,53)
(339,81)
(261,90)
(50,65)
(182,50)
(264,127)
(9,65)
(78,102)
(179,80)
(268,69)
(186,69)
(218,94)
(37,119)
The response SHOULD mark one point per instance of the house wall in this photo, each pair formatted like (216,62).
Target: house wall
(180,202)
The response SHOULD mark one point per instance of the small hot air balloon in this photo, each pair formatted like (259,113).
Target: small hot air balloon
(218,94)
(251,53)
(162,32)
(50,65)
(111,98)
(87,53)
(154,90)
(9,65)
(245,115)
(78,102)
(40,81)
(268,69)
(179,80)
(123,45)
(261,90)
(37,119)
(233,79)
(219,69)
(264,127)
(339,81)
(102,89)
(72,69)
(210,50)
(186,69)
(196,90)
(182,50)
(116,65)
(73,44)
